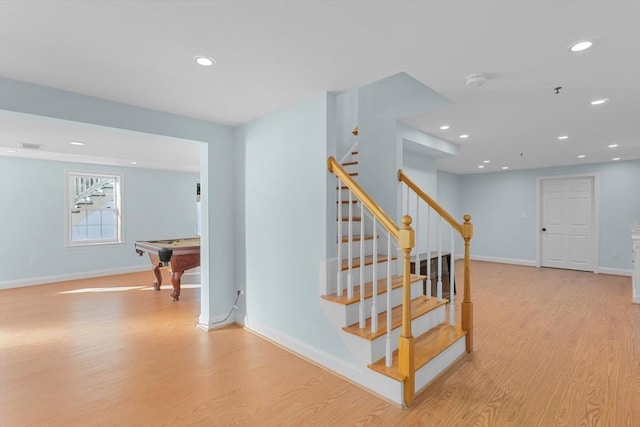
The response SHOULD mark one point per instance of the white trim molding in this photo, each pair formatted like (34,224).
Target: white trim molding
(615,271)
(43,280)
(525,262)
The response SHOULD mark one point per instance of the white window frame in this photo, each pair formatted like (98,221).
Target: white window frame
(69,207)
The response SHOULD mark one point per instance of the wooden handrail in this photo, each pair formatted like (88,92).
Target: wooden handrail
(466,231)
(424,196)
(385,220)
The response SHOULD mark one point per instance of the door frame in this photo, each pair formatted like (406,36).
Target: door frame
(595,215)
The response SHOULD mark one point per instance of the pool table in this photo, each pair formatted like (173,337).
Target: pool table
(177,255)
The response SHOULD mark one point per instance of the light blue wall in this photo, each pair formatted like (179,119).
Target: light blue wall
(421,169)
(218,188)
(380,105)
(285,222)
(32,218)
(448,193)
(497,201)
(347,119)
(448,196)
(44,101)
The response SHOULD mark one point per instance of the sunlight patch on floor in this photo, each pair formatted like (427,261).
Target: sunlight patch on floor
(107,289)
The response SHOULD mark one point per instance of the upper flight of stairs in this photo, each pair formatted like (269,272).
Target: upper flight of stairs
(437,344)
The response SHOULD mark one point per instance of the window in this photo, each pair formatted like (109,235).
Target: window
(94,209)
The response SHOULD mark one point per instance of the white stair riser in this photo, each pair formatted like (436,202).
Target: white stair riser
(372,351)
(368,230)
(355,248)
(344,194)
(352,311)
(440,363)
(355,210)
(350,168)
(419,326)
(381,268)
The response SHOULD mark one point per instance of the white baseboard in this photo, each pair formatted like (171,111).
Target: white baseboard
(529,263)
(32,281)
(214,325)
(615,271)
(525,262)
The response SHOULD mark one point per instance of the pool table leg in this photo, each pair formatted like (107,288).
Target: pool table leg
(175,282)
(158,274)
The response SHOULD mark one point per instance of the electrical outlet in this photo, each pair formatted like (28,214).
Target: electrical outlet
(615,254)
(33,261)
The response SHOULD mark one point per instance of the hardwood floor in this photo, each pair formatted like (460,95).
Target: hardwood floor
(552,348)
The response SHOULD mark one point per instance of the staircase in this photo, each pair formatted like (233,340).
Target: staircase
(369,303)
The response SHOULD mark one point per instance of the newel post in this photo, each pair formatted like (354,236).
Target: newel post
(406,346)
(467,305)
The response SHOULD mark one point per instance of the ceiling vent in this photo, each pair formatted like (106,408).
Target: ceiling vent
(475,80)
(30,146)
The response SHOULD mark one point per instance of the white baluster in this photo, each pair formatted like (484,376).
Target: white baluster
(439,234)
(361,308)
(350,249)
(452,310)
(388,360)
(417,247)
(428,254)
(374,299)
(339,284)
(407,211)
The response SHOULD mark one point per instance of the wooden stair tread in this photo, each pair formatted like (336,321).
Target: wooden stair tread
(419,307)
(355,153)
(396,282)
(357,238)
(427,346)
(353,174)
(347,202)
(368,260)
(354,162)
(353,218)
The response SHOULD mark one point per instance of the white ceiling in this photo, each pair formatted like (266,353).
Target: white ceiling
(272,54)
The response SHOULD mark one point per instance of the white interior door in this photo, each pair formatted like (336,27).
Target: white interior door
(567,223)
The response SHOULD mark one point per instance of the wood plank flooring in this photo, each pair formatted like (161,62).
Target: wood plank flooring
(552,348)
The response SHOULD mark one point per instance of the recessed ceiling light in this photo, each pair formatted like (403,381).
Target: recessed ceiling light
(464,135)
(504,168)
(486,161)
(563,137)
(599,101)
(134,163)
(10,150)
(444,127)
(76,143)
(583,45)
(612,145)
(581,156)
(480,166)
(616,158)
(205,61)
